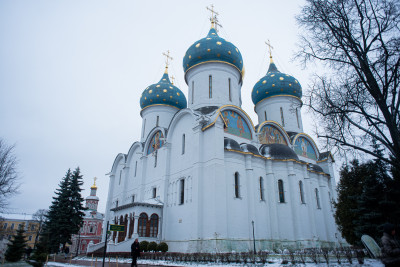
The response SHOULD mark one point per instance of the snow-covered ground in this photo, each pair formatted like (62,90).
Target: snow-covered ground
(273,262)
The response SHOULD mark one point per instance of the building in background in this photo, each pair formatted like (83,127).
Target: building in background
(9,225)
(91,230)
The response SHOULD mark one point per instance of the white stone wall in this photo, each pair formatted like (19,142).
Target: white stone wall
(198,85)
(272,106)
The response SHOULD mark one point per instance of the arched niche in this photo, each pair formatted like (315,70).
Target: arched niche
(304,146)
(156,141)
(235,124)
(270,133)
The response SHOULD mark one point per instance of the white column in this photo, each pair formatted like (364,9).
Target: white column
(127,228)
(116,237)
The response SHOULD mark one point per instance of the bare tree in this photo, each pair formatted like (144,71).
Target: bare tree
(41,217)
(358,100)
(8,174)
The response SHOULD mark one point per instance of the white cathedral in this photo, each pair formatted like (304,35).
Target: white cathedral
(204,178)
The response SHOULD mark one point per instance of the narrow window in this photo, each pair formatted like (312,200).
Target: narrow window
(158,119)
(30,238)
(261,189)
(116,204)
(12,226)
(317,198)
(5,226)
(154,225)
(297,117)
(32,227)
(154,192)
(282,118)
(301,192)
(120,175)
(330,200)
(91,229)
(182,192)
(192,91)
(237,185)
(135,168)
(281,191)
(133,198)
(142,224)
(229,86)
(210,86)
(265,115)
(155,159)
(183,144)
(144,127)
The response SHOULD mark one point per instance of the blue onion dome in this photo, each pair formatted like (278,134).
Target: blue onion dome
(275,83)
(213,48)
(163,93)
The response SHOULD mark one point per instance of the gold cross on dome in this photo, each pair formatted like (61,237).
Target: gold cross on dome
(268,43)
(213,18)
(95,178)
(168,60)
(172,79)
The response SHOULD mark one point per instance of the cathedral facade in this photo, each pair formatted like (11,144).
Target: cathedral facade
(204,178)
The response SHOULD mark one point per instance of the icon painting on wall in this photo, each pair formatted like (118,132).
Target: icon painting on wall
(155,142)
(270,134)
(303,147)
(235,124)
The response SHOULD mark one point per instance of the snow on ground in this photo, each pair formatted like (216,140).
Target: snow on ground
(274,262)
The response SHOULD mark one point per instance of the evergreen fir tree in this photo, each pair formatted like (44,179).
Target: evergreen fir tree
(349,188)
(58,214)
(66,214)
(16,249)
(77,201)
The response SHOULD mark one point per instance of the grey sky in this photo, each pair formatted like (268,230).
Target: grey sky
(72,72)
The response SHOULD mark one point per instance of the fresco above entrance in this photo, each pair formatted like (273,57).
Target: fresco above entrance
(235,124)
(270,134)
(303,147)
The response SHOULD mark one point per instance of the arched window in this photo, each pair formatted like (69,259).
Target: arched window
(229,86)
(142,224)
(192,91)
(154,225)
(281,191)
(301,192)
(144,127)
(261,188)
(265,115)
(183,143)
(157,120)
(210,86)
(297,117)
(131,225)
(317,198)
(135,168)
(182,191)
(237,195)
(282,118)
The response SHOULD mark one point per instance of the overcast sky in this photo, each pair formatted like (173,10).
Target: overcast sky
(72,72)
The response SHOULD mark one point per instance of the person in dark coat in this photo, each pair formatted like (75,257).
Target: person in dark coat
(135,252)
(390,246)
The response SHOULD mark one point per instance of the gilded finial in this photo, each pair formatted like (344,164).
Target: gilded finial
(94,183)
(214,18)
(268,43)
(172,79)
(167,62)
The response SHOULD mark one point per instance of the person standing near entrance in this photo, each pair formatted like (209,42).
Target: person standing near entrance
(135,252)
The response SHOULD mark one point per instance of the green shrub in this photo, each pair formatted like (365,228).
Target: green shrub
(163,247)
(152,246)
(144,246)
